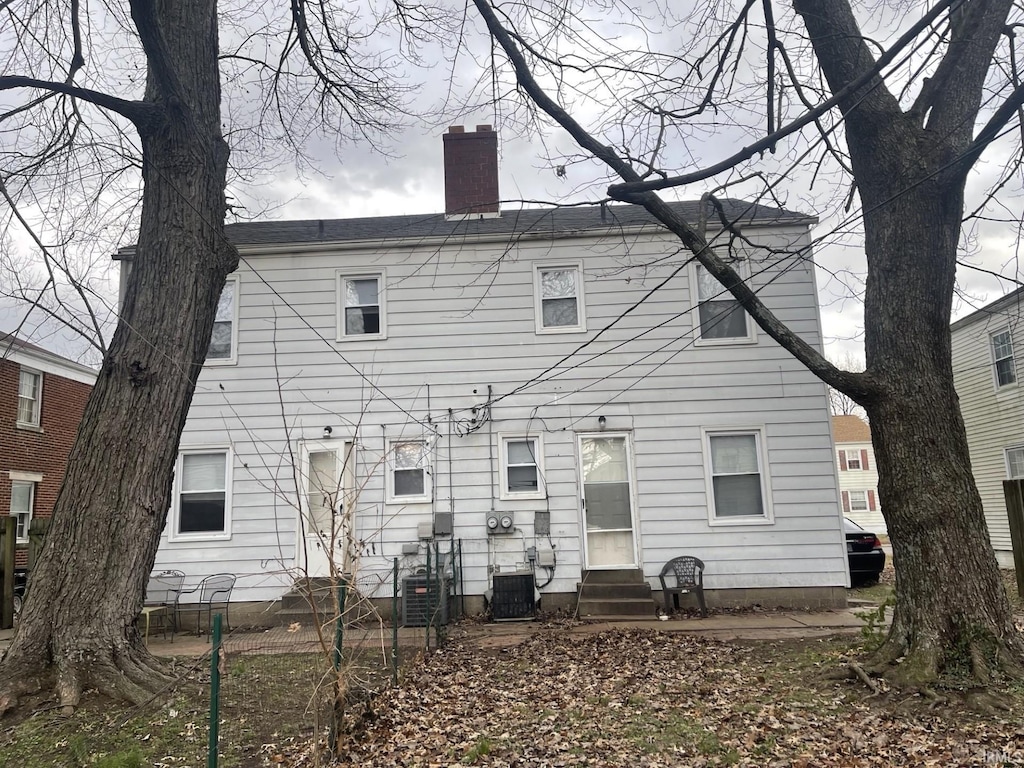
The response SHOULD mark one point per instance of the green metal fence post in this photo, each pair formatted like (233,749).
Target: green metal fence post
(339,637)
(430,606)
(211,755)
(394,625)
(339,625)
(442,597)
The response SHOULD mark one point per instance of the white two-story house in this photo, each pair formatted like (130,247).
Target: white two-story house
(858,476)
(987,345)
(562,390)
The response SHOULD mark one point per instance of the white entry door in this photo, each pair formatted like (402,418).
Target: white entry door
(607,497)
(326,486)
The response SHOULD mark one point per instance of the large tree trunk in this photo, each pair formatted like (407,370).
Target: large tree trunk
(78,627)
(952,612)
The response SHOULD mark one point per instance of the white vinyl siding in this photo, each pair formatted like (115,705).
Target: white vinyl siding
(559,298)
(992,414)
(202,499)
(30,394)
(453,331)
(361,307)
(224,340)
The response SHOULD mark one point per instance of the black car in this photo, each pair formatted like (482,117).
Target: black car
(864,550)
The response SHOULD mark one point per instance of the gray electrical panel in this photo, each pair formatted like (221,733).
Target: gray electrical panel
(442,523)
(542,523)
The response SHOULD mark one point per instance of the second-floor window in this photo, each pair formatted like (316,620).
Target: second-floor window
(222,342)
(559,298)
(30,386)
(361,310)
(721,319)
(1002,356)
(853,460)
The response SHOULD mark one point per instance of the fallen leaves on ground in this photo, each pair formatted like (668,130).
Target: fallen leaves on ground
(645,699)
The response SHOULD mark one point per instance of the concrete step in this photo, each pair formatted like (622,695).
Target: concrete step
(619,576)
(615,591)
(621,607)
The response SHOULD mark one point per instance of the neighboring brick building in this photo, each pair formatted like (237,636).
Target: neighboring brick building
(42,397)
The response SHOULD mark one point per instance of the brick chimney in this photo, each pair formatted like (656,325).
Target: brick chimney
(471,172)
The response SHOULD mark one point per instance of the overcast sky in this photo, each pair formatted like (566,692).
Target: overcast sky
(407,178)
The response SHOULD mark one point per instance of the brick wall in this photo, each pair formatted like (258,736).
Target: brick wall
(43,452)
(470,171)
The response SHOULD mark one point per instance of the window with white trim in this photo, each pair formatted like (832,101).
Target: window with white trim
(361,307)
(408,471)
(23,497)
(522,468)
(858,501)
(1015,463)
(225,325)
(30,391)
(558,293)
(719,317)
(738,487)
(853,460)
(202,500)
(1002,358)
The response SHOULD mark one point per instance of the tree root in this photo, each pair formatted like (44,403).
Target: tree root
(858,670)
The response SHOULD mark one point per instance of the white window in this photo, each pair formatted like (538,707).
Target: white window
(522,468)
(408,472)
(22,501)
(858,501)
(738,487)
(361,307)
(1002,356)
(224,340)
(558,290)
(719,317)
(202,508)
(1015,463)
(30,391)
(853,460)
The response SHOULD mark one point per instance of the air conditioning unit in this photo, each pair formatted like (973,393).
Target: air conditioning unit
(512,596)
(418,603)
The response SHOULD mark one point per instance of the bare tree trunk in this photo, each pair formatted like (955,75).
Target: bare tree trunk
(952,611)
(78,626)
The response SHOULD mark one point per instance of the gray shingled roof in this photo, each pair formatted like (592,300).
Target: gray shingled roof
(553,220)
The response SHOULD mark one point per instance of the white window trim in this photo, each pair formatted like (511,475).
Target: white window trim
(1013,356)
(867,502)
(855,452)
(341,276)
(233,358)
(428,486)
(504,493)
(741,265)
(36,425)
(31,506)
(173,518)
(581,304)
(1006,461)
(766,487)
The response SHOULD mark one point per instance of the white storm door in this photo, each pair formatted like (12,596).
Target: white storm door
(607,496)
(326,519)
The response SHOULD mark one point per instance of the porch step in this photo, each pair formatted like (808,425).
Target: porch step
(615,594)
(621,576)
(297,604)
(612,608)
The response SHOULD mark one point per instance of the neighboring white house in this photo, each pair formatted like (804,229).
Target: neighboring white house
(987,345)
(560,389)
(858,477)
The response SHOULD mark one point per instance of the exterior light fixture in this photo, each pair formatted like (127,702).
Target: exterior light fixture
(327,432)
(602,422)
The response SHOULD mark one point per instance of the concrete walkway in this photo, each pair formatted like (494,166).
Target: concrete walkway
(760,625)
